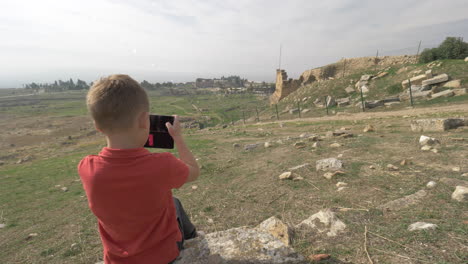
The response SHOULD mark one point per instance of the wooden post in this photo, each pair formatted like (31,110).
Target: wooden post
(299,108)
(326,104)
(256,110)
(376,62)
(362,100)
(410,93)
(344,67)
(419,46)
(243,116)
(277,114)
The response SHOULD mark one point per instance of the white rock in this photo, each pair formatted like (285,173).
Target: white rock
(327,223)
(426,148)
(286,175)
(431,184)
(421,226)
(278,229)
(267,144)
(316,145)
(466,59)
(341,184)
(456,169)
(194,187)
(341,189)
(238,245)
(460,194)
(250,146)
(424,140)
(329,164)
(65,189)
(335,145)
(2,225)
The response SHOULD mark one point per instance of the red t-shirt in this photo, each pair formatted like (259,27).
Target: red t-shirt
(129,191)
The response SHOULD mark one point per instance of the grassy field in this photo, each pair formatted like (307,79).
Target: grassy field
(237,187)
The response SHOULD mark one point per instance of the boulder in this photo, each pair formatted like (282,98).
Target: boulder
(250,146)
(380,75)
(421,226)
(325,221)
(460,194)
(453,84)
(330,101)
(446,93)
(306,110)
(330,164)
(239,245)
(424,140)
(368,128)
(404,202)
(431,184)
(294,111)
(466,59)
(267,145)
(343,102)
(364,89)
(286,176)
(278,229)
(349,90)
(414,80)
(359,84)
(373,104)
(429,74)
(436,79)
(436,124)
(391,99)
(365,77)
(460,91)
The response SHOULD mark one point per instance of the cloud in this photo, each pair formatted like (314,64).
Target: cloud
(210,38)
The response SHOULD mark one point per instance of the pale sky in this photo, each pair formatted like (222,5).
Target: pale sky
(179,40)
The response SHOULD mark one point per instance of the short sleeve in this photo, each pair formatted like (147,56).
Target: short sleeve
(178,171)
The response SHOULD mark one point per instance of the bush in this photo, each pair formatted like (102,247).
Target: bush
(328,71)
(451,48)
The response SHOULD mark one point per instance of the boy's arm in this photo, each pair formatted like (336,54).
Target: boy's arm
(184,153)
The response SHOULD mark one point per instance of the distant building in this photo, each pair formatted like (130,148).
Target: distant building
(204,83)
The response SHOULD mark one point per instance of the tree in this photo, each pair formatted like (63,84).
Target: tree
(450,48)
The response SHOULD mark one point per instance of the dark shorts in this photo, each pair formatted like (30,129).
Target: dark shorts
(187,229)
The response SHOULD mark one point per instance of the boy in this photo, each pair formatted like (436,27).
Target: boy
(129,188)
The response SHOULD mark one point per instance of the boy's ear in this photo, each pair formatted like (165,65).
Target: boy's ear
(143,120)
(96,126)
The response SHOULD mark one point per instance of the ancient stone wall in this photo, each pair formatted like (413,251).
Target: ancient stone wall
(284,86)
(344,67)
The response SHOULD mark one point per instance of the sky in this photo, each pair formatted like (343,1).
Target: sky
(180,40)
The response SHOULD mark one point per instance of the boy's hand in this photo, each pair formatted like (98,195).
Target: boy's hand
(174,130)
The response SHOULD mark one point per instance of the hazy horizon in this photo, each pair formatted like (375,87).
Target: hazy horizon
(181,40)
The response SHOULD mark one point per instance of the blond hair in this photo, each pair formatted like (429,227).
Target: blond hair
(115,101)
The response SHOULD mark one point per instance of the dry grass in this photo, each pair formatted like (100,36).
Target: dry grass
(241,188)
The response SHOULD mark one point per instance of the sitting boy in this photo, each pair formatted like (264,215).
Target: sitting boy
(128,187)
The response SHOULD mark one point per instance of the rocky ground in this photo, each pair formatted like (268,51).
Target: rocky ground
(351,188)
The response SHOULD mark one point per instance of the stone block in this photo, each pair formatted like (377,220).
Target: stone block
(460,91)
(437,124)
(435,80)
(446,93)
(349,90)
(453,84)
(414,80)
(343,102)
(374,104)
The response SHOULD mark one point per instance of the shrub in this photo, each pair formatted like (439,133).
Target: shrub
(451,48)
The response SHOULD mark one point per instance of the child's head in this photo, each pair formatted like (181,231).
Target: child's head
(117,104)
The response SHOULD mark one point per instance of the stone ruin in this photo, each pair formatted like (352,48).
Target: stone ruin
(345,66)
(284,86)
